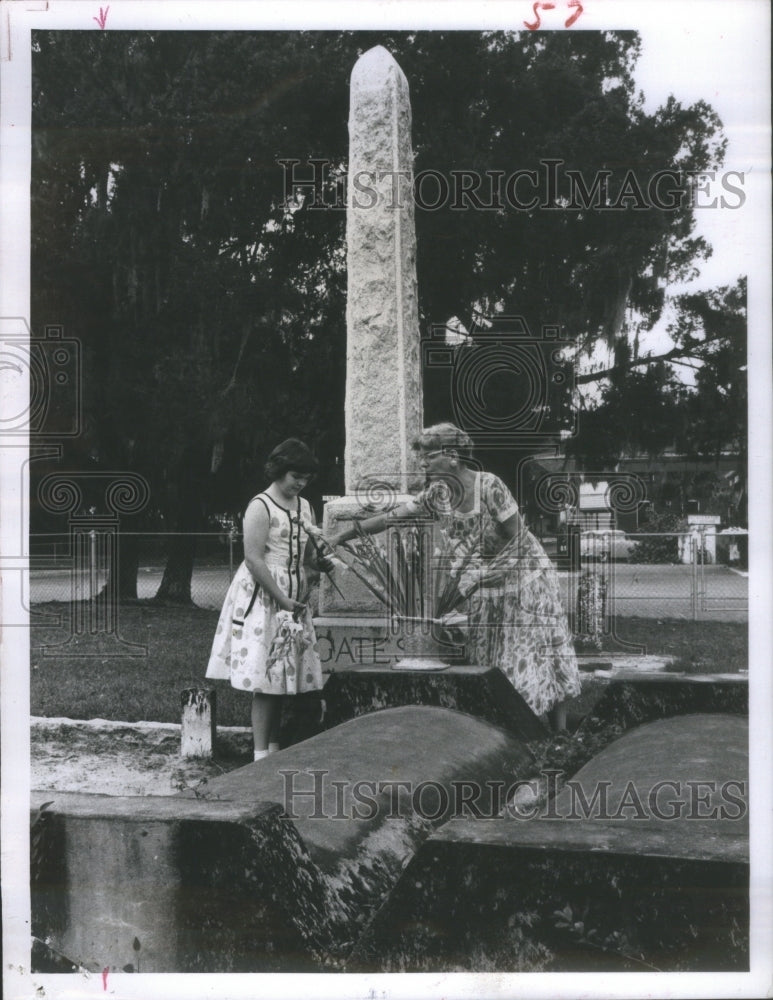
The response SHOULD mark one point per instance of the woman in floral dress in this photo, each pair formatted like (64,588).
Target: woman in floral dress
(265,642)
(516,620)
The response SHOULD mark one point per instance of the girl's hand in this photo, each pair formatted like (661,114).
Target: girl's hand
(288,604)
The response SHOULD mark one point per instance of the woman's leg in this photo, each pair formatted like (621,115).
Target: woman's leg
(557,716)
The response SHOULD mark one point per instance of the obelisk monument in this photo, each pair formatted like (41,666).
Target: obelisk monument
(383,364)
(383,408)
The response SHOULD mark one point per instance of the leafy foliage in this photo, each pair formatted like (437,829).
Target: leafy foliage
(615,942)
(212,314)
(709,336)
(660,543)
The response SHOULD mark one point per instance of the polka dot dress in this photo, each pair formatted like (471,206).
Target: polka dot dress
(518,624)
(247,627)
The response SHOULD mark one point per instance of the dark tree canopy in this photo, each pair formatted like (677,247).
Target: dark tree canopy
(212,317)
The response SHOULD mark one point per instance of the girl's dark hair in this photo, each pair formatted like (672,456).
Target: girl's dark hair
(290,455)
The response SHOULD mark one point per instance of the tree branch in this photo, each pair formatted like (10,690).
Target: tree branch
(673,355)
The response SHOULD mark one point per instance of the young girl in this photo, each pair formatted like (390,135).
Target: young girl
(269,584)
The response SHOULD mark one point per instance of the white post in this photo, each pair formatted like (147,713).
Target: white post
(198,722)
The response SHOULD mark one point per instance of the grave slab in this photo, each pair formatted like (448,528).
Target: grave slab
(276,866)
(631,699)
(483,692)
(580,889)
(167,884)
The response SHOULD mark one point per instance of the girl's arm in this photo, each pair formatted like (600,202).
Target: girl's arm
(313,553)
(256,525)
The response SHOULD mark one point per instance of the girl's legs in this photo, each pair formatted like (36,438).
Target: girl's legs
(265,720)
(273,733)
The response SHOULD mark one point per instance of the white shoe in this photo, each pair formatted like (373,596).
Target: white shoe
(273,747)
(260,754)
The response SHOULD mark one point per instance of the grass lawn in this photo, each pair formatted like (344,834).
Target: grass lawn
(697,647)
(89,680)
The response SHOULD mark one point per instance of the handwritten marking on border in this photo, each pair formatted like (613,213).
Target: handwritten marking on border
(102,19)
(539,5)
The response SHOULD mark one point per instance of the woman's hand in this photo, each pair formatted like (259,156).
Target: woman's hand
(333,541)
(288,604)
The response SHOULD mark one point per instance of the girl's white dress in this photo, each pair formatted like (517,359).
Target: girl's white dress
(248,620)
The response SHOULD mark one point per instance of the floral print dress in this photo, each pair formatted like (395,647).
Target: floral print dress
(248,621)
(516,621)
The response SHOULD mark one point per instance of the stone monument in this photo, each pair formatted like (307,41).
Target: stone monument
(383,377)
(383,406)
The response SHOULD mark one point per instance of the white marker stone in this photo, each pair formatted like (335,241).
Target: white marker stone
(198,722)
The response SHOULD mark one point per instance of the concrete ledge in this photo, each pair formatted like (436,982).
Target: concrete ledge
(166,884)
(276,866)
(632,699)
(587,890)
(467,905)
(482,692)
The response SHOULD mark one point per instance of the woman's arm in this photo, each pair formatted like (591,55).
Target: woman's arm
(256,525)
(371,525)
(511,526)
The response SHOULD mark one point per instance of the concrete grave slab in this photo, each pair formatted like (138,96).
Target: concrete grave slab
(167,884)
(580,889)
(276,866)
(483,692)
(631,699)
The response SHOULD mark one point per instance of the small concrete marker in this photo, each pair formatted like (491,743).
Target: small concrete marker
(198,722)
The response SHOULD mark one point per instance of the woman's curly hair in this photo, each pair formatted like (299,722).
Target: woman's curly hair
(444,437)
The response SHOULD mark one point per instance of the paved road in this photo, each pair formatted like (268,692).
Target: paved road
(633,590)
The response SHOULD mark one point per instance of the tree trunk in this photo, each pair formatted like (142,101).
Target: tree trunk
(128,556)
(176,582)
(123,572)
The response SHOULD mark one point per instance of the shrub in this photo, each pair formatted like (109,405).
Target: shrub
(660,546)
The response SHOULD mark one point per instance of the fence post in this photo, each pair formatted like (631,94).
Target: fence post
(694,563)
(93,547)
(92,565)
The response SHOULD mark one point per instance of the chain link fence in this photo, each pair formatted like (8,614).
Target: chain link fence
(696,575)
(67,567)
(690,575)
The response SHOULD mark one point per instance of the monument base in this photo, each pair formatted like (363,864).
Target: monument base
(352,642)
(346,594)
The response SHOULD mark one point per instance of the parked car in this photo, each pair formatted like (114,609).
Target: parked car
(604,544)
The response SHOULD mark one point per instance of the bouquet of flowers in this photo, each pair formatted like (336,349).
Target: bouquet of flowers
(398,578)
(289,642)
